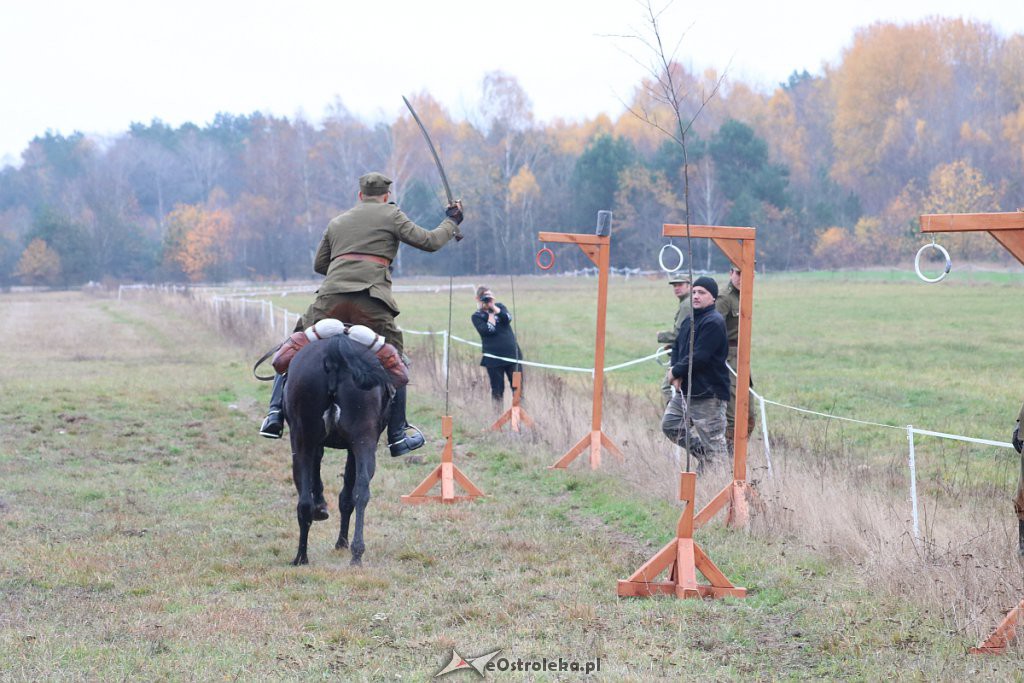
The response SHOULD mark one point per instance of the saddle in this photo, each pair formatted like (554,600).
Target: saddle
(387,354)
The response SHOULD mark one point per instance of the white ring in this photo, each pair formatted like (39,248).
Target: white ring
(667,356)
(661,258)
(917,263)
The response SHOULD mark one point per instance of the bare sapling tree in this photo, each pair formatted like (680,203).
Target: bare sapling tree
(666,89)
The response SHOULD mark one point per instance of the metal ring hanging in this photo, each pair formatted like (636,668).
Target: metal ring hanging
(941,250)
(551,262)
(661,258)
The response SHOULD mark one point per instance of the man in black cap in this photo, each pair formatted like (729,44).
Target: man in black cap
(700,370)
(681,288)
(355,255)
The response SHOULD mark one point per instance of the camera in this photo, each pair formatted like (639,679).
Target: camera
(487,299)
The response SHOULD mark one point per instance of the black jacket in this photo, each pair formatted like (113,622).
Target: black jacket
(498,339)
(710,350)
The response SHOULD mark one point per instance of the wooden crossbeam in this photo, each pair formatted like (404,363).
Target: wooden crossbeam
(972,222)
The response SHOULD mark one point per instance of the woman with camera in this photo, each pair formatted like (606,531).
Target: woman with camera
(494,323)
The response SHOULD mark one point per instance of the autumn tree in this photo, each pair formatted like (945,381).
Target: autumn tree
(38,265)
(197,240)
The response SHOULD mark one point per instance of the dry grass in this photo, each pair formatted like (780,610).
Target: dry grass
(965,569)
(148,533)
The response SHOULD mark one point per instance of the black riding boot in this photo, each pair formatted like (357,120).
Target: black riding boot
(273,424)
(1020,549)
(399,441)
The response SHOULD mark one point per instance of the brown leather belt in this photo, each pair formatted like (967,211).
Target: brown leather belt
(355,256)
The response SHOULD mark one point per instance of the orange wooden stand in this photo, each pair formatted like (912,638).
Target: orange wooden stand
(598,250)
(446,473)
(1007,228)
(685,557)
(1004,634)
(516,414)
(738,245)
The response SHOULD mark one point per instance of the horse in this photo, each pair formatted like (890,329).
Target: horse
(337,396)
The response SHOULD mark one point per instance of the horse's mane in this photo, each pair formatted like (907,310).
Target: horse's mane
(366,370)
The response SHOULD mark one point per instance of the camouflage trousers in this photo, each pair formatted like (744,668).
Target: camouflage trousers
(730,413)
(705,423)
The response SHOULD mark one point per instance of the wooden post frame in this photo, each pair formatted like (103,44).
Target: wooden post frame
(685,558)
(446,473)
(516,414)
(738,245)
(1007,228)
(598,250)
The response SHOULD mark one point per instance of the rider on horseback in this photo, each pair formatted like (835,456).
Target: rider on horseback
(355,255)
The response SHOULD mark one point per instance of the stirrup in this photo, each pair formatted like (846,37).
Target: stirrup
(272,428)
(408,442)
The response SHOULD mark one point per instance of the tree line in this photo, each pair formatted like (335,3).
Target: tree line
(833,169)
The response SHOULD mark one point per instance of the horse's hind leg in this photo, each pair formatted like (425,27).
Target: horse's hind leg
(320,512)
(345,504)
(366,460)
(302,475)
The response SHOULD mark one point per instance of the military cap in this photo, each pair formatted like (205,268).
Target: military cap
(373,184)
(678,279)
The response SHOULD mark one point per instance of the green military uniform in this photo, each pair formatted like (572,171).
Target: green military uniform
(728,304)
(668,338)
(362,288)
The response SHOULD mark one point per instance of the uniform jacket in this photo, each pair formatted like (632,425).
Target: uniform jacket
(498,339)
(728,304)
(669,336)
(371,227)
(710,349)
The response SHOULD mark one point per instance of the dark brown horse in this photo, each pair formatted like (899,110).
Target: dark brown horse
(337,396)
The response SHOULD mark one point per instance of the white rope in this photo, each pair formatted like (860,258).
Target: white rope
(764,429)
(957,437)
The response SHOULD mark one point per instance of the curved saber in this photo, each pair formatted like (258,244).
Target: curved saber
(437,159)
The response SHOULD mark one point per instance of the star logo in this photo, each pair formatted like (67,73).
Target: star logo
(459,662)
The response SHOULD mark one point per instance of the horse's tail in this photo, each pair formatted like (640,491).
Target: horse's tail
(363,367)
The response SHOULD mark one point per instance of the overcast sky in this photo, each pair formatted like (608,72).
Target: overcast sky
(98,65)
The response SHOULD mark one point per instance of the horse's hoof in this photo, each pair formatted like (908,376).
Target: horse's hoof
(356,562)
(300,560)
(320,513)
(341,544)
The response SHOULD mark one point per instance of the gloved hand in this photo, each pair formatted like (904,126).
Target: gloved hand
(1017,443)
(454,211)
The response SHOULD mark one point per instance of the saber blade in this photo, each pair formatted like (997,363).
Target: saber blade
(433,152)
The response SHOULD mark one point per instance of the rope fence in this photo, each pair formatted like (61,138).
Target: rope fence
(240,303)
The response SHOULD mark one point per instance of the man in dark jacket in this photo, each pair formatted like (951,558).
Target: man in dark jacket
(355,255)
(494,324)
(703,374)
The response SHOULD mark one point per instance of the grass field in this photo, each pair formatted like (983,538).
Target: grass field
(147,529)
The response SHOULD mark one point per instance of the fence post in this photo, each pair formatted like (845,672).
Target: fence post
(913,484)
(764,433)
